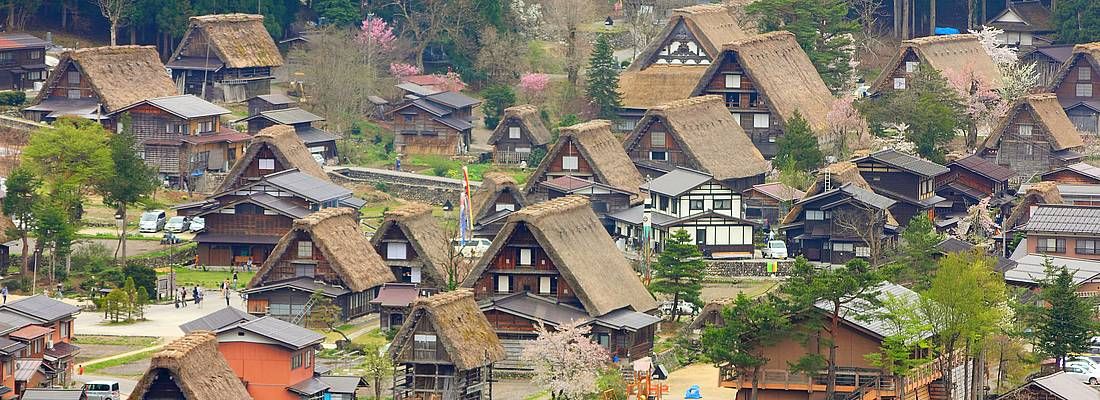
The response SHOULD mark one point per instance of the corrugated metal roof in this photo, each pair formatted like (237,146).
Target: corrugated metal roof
(308,186)
(217,320)
(540,309)
(396,295)
(303,283)
(280,205)
(313,135)
(458,124)
(276,98)
(907,162)
(283,332)
(309,387)
(1064,218)
(43,308)
(677,181)
(1081,168)
(867,316)
(1030,268)
(290,116)
(453,99)
(188,106)
(9,41)
(778,191)
(25,369)
(1068,387)
(53,394)
(343,384)
(866,196)
(624,318)
(985,168)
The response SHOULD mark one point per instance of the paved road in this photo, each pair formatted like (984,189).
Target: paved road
(161,320)
(125,386)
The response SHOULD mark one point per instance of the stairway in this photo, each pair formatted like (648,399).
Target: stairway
(936,390)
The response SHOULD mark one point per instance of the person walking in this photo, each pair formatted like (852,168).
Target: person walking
(183,296)
(4,292)
(195,293)
(225,292)
(234,280)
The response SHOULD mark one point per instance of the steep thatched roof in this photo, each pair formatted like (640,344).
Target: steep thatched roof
(840,173)
(289,151)
(239,40)
(707,134)
(336,232)
(467,336)
(712,25)
(1088,53)
(658,84)
(572,236)
(492,185)
(603,152)
(527,117)
(1047,112)
(1039,193)
(945,53)
(780,69)
(424,232)
(196,367)
(119,75)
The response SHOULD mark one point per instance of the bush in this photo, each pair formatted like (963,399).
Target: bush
(92,259)
(497,98)
(144,276)
(382,187)
(13,98)
(536,157)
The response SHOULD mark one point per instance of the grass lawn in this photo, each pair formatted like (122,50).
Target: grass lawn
(374,338)
(133,341)
(114,362)
(209,279)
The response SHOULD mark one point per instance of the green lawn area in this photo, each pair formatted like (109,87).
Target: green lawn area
(374,338)
(133,341)
(114,362)
(209,279)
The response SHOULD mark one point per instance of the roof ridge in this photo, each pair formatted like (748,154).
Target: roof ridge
(584,127)
(698,9)
(231,17)
(688,102)
(761,37)
(927,40)
(407,211)
(560,204)
(322,215)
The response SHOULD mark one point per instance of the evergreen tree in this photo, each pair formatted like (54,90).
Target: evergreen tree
(133,179)
(929,108)
(603,78)
(1066,322)
(679,271)
(748,327)
(497,98)
(821,27)
(337,12)
(19,202)
(798,145)
(918,246)
(1077,21)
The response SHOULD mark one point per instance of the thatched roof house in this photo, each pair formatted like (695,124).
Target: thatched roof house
(1045,111)
(1034,137)
(780,70)
(839,174)
(468,339)
(335,231)
(279,142)
(238,40)
(193,368)
(414,224)
(112,76)
(658,84)
(1039,193)
(946,54)
(706,134)
(526,117)
(496,188)
(598,155)
(571,235)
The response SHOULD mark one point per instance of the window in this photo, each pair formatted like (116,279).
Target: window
(414,275)
(524,256)
(523,149)
(1051,245)
(663,203)
(771,138)
(723,204)
(815,215)
(849,247)
(34,75)
(657,139)
(74,77)
(206,126)
(899,83)
(548,284)
(408,118)
(658,156)
(733,81)
(395,251)
(569,163)
(504,284)
(305,269)
(733,100)
(761,120)
(1025,129)
(513,132)
(305,249)
(73,93)
(863,251)
(1084,90)
(424,346)
(66,329)
(34,54)
(911,67)
(504,206)
(695,205)
(1087,246)
(267,163)
(1084,74)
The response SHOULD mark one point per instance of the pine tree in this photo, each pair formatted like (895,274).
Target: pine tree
(798,145)
(748,327)
(679,271)
(1067,322)
(603,78)
(1077,21)
(918,244)
(133,179)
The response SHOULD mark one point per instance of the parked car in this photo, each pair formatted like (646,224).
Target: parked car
(473,247)
(177,224)
(152,221)
(1089,362)
(774,249)
(1083,372)
(686,308)
(198,224)
(102,390)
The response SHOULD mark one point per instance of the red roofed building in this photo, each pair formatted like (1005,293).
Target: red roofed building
(22,61)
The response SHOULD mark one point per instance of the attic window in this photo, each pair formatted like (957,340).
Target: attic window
(657,139)
(1025,129)
(911,66)
(305,249)
(513,132)
(761,120)
(569,163)
(733,81)
(267,163)
(395,251)
(899,83)
(1084,73)
(74,77)
(1083,90)
(506,206)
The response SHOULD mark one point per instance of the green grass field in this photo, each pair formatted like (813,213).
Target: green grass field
(209,279)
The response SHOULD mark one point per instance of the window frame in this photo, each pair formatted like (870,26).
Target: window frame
(761,120)
(304,249)
(514,132)
(900,83)
(566,161)
(733,81)
(1083,90)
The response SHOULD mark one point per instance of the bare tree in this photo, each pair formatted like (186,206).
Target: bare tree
(115,11)
(498,55)
(864,223)
(337,79)
(426,21)
(564,19)
(644,26)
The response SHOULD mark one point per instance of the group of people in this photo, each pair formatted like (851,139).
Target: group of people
(196,295)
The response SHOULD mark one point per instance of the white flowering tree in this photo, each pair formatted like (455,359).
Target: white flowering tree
(847,130)
(977,225)
(1018,79)
(565,361)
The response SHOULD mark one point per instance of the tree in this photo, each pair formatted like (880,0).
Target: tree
(749,327)
(339,79)
(19,203)
(564,19)
(132,181)
(906,333)
(337,12)
(1067,322)
(115,11)
(130,290)
(822,29)
(70,159)
(140,301)
(497,56)
(847,130)
(833,290)
(1077,21)
(980,101)
(799,145)
(143,275)
(929,109)
(53,231)
(679,271)
(862,221)
(916,252)
(497,98)
(603,78)
(565,361)
(324,314)
(376,366)
(427,22)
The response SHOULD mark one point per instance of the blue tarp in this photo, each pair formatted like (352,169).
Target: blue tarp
(693,393)
(943,30)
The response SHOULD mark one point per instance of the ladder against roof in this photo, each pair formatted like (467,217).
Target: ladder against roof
(297,320)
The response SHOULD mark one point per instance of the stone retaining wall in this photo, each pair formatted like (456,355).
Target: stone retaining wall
(747,268)
(422,188)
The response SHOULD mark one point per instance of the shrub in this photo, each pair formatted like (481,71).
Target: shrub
(13,98)
(536,157)
(382,187)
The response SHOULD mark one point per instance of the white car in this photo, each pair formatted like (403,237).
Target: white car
(102,390)
(1083,372)
(198,224)
(177,224)
(473,248)
(686,308)
(774,249)
(152,221)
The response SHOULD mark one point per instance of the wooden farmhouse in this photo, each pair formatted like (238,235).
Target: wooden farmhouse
(438,123)
(605,199)
(22,61)
(498,196)
(588,151)
(767,203)
(908,180)
(971,179)
(271,150)
(326,252)
(519,133)
(830,222)
(670,67)
(419,252)
(1048,62)
(948,54)
(552,263)
(183,138)
(446,350)
(764,81)
(1037,194)
(1075,84)
(1026,24)
(94,82)
(190,368)
(696,133)
(708,209)
(1034,138)
(1076,173)
(225,58)
(320,143)
(268,102)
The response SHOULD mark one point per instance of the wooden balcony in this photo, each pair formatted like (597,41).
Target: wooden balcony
(848,380)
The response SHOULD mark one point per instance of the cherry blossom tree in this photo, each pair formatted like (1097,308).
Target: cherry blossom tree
(847,130)
(532,85)
(401,70)
(1017,79)
(376,31)
(565,361)
(981,102)
(451,82)
(977,225)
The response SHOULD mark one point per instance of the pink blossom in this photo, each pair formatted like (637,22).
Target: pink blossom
(401,70)
(533,82)
(451,82)
(978,94)
(565,361)
(375,31)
